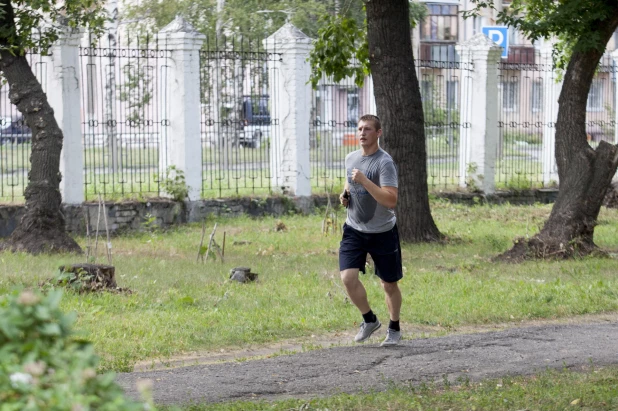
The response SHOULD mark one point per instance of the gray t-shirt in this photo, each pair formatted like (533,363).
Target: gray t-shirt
(364,212)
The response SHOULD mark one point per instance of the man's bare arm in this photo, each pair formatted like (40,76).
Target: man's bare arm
(385,196)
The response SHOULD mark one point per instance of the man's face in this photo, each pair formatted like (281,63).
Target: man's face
(367,134)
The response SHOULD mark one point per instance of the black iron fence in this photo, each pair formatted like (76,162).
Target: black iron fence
(238,121)
(527,116)
(521,121)
(125,126)
(601,106)
(337,107)
(123,115)
(446,116)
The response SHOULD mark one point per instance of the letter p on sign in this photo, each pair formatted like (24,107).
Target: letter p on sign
(500,36)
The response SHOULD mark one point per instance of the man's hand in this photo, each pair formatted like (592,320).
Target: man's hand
(386,196)
(358,176)
(344,198)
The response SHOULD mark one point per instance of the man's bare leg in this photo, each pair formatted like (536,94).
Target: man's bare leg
(356,290)
(393,299)
(358,295)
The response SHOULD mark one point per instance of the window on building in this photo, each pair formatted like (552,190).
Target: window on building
(426,90)
(537,96)
(514,36)
(595,96)
(476,25)
(441,24)
(452,94)
(353,108)
(510,90)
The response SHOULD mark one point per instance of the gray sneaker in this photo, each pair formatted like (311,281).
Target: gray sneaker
(392,338)
(366,329)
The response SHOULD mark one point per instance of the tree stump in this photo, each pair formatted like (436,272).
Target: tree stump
(88,277)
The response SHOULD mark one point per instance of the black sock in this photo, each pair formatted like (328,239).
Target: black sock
(394,325)
(370,317)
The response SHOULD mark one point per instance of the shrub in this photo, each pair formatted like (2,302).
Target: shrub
(174,183)
(42,365)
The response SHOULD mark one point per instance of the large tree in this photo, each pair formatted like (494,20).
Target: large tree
(42,228)
(251,19)
(388,50)
(581,29)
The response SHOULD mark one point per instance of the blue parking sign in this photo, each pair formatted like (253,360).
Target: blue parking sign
(500,36)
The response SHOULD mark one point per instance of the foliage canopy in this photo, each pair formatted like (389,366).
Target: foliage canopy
(572,23)
(32,24)
(341,49)
(254,19)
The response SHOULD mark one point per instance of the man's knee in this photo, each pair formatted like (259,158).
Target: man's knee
(349,277)
(390,288)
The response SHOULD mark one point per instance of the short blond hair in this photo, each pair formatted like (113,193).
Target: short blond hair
(373,118)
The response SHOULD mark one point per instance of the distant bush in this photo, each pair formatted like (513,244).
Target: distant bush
(42,365)
(515,136)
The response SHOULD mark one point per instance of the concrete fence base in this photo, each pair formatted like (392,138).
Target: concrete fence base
(134,216)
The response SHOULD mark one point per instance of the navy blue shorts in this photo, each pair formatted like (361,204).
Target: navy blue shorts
(384,248)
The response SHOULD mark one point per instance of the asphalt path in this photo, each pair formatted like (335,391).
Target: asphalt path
(356,368)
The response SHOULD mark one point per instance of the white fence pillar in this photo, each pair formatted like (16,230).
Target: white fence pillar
(290,166)
(478,145)
(182,147)
(551,92)
(64,97)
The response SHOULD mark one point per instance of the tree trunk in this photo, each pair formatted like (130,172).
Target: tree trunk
(398,100)
(585,173)
(42,228)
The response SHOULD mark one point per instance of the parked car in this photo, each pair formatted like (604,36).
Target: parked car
(256,120)
(14,130)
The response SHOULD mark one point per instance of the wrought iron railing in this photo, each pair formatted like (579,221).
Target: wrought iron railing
(337,107)
(521,121)
(125,126)
(124,118)
(238,116)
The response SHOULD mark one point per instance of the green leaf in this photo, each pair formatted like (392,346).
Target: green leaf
(42,313)
(53,299)
(50,330)
(339,51)
(8,329)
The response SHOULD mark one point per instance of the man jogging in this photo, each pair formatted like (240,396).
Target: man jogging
(370,195)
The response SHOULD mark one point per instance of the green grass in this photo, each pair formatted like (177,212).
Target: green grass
(594,389)
(100,157)
(180,306)
(14,157)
